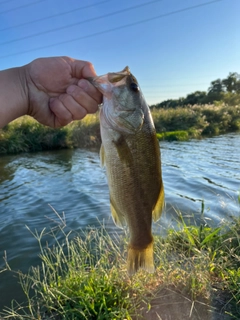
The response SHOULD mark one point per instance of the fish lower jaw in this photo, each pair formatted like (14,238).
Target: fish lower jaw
(140,259)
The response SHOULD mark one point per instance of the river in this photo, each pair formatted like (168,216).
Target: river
(196,172)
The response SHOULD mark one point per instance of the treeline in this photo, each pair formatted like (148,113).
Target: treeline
(225,91)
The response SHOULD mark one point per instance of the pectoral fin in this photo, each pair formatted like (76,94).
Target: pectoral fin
(123,150)
(157,211)
(118,218)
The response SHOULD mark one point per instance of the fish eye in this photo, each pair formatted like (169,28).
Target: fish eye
(134,87)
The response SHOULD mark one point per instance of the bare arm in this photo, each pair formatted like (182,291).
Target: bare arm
(52,90)
(13,95)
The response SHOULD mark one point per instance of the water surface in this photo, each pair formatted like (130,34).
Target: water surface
(71,181)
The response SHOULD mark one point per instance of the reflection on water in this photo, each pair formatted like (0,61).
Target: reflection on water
(71,181)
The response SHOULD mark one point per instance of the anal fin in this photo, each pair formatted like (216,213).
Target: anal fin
(157,211)
(118,218)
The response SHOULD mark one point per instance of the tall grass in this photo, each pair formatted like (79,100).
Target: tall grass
(182,123)
(26,135)
(85,277)
(197,121)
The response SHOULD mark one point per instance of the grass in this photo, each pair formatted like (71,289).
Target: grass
(196,121)
(173,135)
(182,123)
(27,135)
(85,277)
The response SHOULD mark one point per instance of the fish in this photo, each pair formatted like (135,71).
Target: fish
(130,153)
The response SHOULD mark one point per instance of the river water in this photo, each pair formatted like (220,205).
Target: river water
(196,174)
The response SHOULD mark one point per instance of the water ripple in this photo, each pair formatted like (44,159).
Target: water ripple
(72,181)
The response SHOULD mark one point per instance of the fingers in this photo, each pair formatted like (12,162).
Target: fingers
(86,95)
(79,100)
(62,116)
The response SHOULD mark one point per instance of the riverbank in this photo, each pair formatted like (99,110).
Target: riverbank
(197,267)
(183,123)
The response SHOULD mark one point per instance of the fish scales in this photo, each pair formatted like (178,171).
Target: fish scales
(131,154)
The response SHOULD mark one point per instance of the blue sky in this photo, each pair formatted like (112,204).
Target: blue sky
(173,47)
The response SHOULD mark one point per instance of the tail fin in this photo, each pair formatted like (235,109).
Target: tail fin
(140,259)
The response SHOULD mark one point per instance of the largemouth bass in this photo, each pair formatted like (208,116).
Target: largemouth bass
(131,154)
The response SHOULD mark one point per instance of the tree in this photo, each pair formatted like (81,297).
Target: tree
(216,86)
(226,90)
(232,82)
(196,97)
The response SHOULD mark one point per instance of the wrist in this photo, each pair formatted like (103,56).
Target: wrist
(22,85)
(14,99)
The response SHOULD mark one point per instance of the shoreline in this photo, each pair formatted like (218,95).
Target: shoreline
(179,124)
(197,273)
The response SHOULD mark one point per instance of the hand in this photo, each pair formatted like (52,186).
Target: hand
(59,92)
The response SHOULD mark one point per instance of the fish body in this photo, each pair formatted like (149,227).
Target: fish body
(131,154)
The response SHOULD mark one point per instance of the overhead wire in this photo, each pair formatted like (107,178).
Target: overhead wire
(22,6)
(6,1)
(55,15)
(81,22)
(112,29)
(174,85)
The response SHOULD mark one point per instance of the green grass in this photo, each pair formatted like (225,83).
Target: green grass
(27,135)
(85,277)
(196,121)
(173,136)
(182,123)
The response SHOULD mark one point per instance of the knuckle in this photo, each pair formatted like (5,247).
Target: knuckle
(89,65)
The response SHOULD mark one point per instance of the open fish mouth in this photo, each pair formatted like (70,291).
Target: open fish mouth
(114,77)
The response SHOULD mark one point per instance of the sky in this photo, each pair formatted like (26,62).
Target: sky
(173,47)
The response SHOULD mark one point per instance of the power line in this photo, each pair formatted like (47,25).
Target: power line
(113,29)
(81,22)
(6,1)
(175,85)
(23,6)
(54,15)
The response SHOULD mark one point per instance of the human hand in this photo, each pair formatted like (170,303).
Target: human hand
(59,92)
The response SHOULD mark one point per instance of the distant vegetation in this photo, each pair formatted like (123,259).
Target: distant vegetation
(199,114)
(195,121)
(225,91)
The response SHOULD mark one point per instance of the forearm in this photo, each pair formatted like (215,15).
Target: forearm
(13,95)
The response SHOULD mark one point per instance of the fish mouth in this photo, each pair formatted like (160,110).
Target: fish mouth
(105,82)
(114,77)
(111,77)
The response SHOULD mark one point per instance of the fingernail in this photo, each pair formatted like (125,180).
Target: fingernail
(83,84)
(70,89)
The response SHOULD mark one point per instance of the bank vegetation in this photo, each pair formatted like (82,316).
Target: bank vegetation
(182,123)
(84,277)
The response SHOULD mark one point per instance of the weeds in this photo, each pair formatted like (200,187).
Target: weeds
(27,135)
(195,121)
(182,123)
(85,277)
